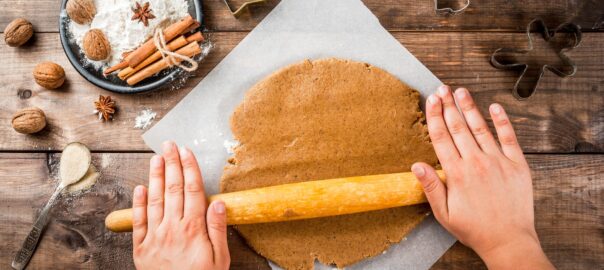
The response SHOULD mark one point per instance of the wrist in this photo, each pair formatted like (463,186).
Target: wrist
(521,252)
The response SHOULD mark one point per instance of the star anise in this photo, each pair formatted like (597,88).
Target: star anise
(142,13)
(104,107)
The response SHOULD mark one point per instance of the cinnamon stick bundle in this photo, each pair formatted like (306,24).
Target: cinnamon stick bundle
(148,48)
(175,44)
(190,50)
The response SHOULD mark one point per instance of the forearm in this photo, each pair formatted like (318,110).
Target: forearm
(521,254)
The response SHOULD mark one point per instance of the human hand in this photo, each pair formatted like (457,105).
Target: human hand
(487,202)
(170,227)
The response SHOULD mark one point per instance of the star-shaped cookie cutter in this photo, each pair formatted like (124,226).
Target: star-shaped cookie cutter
(237,12)
(449,10)
(539,25)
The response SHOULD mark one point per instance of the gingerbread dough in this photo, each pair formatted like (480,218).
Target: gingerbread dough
(324,119)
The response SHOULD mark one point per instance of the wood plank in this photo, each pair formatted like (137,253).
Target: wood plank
(494,15)
(76,237)
(569,190)
(565,115)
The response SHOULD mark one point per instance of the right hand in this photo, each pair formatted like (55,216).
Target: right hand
(487,202)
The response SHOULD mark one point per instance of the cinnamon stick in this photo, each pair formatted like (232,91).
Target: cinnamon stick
(120,65)
(172,46)
(190,50)
(171,32)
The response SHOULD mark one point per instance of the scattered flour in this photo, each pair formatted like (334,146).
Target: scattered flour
(113,17)
(230,146)
(144,119)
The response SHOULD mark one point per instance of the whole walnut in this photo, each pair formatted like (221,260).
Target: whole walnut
(81,11)
(49,75)
(18,32)
(29,120)
(96,45)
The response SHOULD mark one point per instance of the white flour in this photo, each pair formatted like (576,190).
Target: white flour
(113,17)
(144,119)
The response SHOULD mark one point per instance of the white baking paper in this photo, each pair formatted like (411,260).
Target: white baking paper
(296,30)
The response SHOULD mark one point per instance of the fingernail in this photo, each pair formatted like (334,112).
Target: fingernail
(461,93)
(183,151)
(496,108)
(418,170)
(139,192)
(168,146)
(432,99)
(156,161)
(219,207)
(443,89)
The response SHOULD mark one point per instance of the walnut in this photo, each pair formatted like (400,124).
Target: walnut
(96,45)
(29,120)
(81,11)
(18,32)
(49,75)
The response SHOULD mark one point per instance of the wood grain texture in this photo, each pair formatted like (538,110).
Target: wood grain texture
(76,236)
(565,115)
(494,15)
(569,190)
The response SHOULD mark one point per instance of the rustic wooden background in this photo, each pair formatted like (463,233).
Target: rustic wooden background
(561,128)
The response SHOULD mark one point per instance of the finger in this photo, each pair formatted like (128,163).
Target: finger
(465,143)
(139,216)
(195,199)
(174,197)
(505,133)
(435,190)
(441,139)
(155,197)
(217,232)
(478,126)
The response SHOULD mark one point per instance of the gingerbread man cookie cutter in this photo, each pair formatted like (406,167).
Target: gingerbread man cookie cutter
(449,10)
(245,6)
(520,92)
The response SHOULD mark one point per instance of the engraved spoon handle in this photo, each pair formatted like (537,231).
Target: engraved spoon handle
(31,241)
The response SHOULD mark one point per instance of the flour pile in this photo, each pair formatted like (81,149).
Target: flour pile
(114,18)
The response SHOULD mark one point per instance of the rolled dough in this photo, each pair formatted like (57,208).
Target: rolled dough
(324,119)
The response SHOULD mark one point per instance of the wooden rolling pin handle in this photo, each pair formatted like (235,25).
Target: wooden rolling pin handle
(119,221)
(311,199)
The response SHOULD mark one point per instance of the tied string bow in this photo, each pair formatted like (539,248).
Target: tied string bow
(160,43)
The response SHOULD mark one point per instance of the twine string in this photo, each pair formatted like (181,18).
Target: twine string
(160,43)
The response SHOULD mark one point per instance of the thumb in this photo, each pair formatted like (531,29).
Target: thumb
(217,231)
(435,190)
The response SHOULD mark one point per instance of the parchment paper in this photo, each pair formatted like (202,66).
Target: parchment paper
(296,30)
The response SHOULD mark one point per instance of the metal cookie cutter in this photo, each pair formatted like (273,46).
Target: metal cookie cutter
(537,24)
(448,10)
(236,13)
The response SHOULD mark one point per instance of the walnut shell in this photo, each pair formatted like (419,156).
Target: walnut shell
(49,75)
(29,120)
(81,11)
(96,45)
(18,32)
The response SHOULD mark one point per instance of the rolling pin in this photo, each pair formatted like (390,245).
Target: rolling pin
(310,199)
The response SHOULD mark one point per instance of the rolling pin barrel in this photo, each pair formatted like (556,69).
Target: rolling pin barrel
(311,199)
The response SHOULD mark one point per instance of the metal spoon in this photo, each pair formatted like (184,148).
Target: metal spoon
(75,161)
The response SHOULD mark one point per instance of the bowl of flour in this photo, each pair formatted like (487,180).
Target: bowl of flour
(114,18)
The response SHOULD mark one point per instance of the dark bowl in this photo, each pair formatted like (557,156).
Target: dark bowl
(112,82)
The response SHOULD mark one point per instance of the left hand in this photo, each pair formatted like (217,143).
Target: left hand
(173,228)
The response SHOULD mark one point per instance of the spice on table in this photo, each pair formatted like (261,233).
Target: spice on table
(49,75)
(143,13)
(29,120)
(104,107)
(18,32)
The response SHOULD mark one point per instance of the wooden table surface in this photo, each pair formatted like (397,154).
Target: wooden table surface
(561,128)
